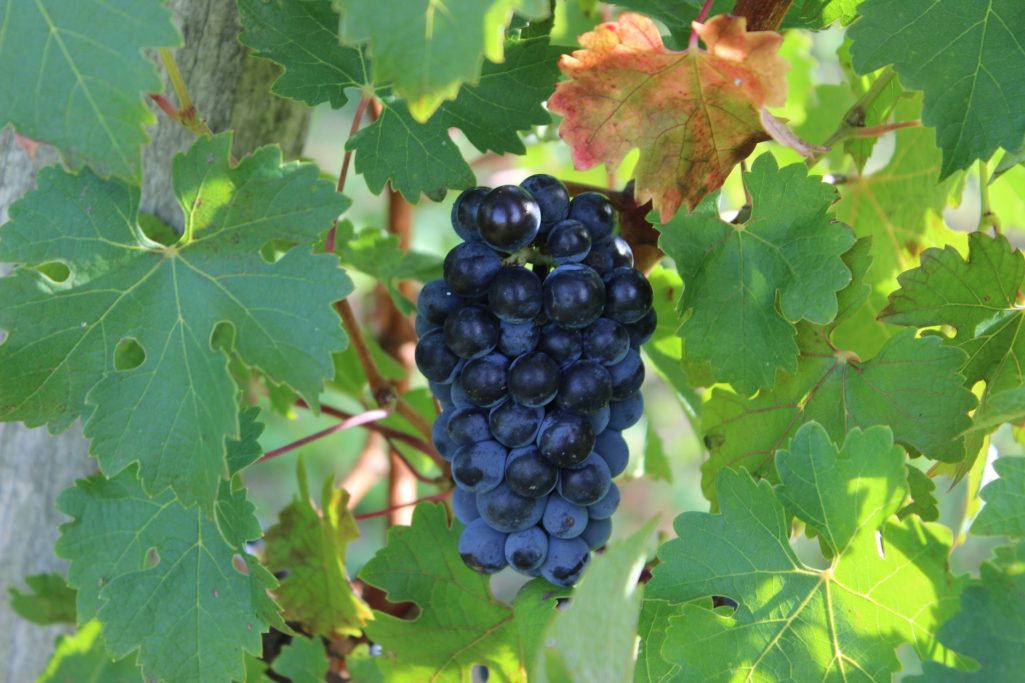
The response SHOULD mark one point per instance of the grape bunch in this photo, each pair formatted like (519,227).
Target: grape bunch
(531,345)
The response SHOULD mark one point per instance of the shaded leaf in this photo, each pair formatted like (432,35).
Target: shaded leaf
(180,404)
(82,656)
(88,53)
(1004,512)
(50,600)
(967,57)
(302,661)
(693,114)
(652,667)
(923,503)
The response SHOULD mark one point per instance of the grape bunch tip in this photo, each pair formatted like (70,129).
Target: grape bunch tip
(531,344)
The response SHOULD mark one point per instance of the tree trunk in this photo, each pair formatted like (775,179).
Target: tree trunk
(230,90)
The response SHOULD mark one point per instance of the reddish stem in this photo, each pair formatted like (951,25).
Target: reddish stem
(393,434)
(702,15)
(354,421)
(389,510)
(165,106)
(357,118)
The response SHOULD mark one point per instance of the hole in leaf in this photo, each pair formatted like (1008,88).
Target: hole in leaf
(239,563)
(128,355)
(273,250)
(157,230)
(152,558)
(223,337)
(54,270)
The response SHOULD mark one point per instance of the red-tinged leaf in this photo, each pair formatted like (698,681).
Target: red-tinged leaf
(693,114)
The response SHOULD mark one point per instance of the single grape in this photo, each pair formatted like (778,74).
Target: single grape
(515,295)
(626,413)
(482,548)
(529,473)
(464,505)
(459,397)
(508,218)
(574,296)
(464,213)
(628,294)
(533,379)
(516,339)
(605,507)
(434,359)
(468,425)
(627,375)
(484,379)
(597,533)
(422,327)
(605,341)
(563,519)
(471,332)
(508,511)
(442,392)
(566,561)
(562,345)
(515,425)
(526,550)
(479,467)
(595,211)
(585,388)
(439,435)
(565,439)
(436,301)
(569,242)
(551,197)
(611,446)
(586,483)
(622,254)
(641,331)
(599,259)
(470,267)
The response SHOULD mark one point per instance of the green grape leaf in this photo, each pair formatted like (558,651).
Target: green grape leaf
(413,157)
(887,582)
(999,407)
(990,627)
(1004,512)
(82,656)
(877,204)
(677,15)
(966,57)
(460,622)
(652,667)
(818,14)
(379,255)
(302,661)
(879,109)
(173,412)
(923,503)
(507,99)
(74,77)
(245,450)
(256,670)
(435,48)
(593,638)
(167,581)
(309,545)
(913,386)
(50,600)
(655,463)
(302,36)
(978,297)
(789,249)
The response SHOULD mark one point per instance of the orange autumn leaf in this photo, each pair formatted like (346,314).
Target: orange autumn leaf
(693,114)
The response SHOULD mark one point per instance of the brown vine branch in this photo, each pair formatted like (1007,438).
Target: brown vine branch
(186,113)
(882,128)
(854,119)
(354,421)
(762,15)
(357,118)
(388,510)
(394,434)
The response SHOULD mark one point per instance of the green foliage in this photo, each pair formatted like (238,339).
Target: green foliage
(309,545)
(302,661)
(165,580)
(794,622)
(967,57)
(460,623)
(88,53)
(179,404)
(82,656)
(50,601)
(1004,513)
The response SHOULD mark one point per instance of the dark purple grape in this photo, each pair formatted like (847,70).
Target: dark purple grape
(471,332)
(483,380)
(627,375)
(439,436)
(482,548)
(464,505)
(508,218)
(597,533)
(626,413)
(551,197)
(533,379)
(569,242)
(574,296)
(586,483)
(468,425)
(464,213)
(566,561)
(436,301)
(470,267)
(516,339)
(606,341)
(479,467)
(505,510)
(605,507)
(528,473)
(434,359)
(628,295)
(526,550)
(565,439)
(563,519)
(562,345)
(595,211)
(515,295)
(611,446)
(515,425)
(585,388)
(642,330)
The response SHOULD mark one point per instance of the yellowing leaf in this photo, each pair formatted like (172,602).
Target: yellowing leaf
(310,546)
(693,114)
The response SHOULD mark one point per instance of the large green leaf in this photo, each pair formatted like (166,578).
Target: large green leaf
(82,656)
(652,667)
(990,627)
(967,57)
(167,581)
(460,622)
(794,622)
(789,249)
(302,36)
(912,385)
(309,547)
(594,638)
(173,412)
(302,661)
(1004,513)
(435,48)
(74,76)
